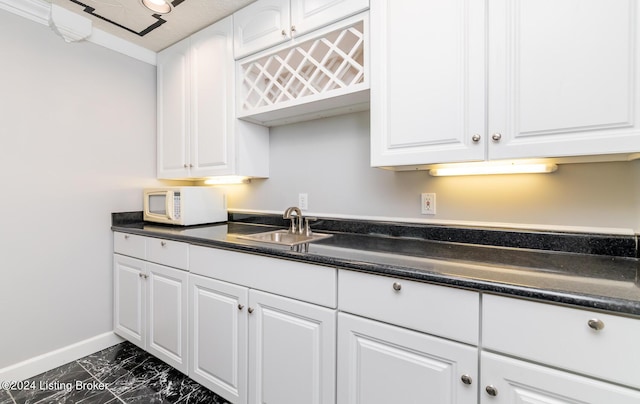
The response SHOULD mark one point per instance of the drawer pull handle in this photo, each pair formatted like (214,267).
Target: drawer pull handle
(466,379)
(491,390)
(595,324)
(126,237)
(163,243)
(397,286)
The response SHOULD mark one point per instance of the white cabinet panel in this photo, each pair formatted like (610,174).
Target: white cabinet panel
(168,252)
(167,313)
(412,304)
(562,337)
(514,381)
(381,364)
(561,81)
(212,143)
(150,306)
(218,337)
(267,23)
(129,311)
(260,25)
(173,67)
(198,134)
(129,244)
(563,77)
(308,15)
(427,81)
(310,283)
(292,349)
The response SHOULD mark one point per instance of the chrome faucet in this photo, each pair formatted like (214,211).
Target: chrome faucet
(295,227)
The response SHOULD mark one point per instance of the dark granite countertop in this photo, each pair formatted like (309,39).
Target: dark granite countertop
(589,280)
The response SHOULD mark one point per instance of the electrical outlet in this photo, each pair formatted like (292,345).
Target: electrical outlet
(428,203)
(303,201)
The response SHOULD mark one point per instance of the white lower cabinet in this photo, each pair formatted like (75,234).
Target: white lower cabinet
(507,380)
(150,308)
(292,351)
(252,346)
(380,363)
(218,336)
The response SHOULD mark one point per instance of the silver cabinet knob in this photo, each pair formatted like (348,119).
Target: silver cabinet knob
(491,390)
(240,306)
(250,310)
(283,32)
(143,276)
(397,286)
(466,379)
(126,237)
(163,243)
(595,324)
(476,138)
(186,165)
(496,137)
(293,28)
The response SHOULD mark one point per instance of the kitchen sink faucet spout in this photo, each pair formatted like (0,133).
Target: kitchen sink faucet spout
(295,227)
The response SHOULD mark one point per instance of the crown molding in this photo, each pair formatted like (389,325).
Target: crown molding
(35,10)
(73,27)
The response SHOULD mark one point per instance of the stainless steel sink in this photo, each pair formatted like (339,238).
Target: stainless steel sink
(284,237)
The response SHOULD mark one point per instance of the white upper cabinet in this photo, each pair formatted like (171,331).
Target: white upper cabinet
(560,80)
(427,81)
(266,23)
(198,134)
(563,77)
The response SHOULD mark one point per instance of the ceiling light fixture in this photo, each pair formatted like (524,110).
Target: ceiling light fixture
(158,6)
(494,168)
(227,180)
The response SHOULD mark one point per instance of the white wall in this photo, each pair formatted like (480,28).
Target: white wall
(77,142)
(329,160)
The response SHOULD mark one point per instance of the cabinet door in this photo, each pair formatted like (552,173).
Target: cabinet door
(261,25)
(381,364)
(167,315)
(514,381)
(212,100)
(292,351)
(428,84)
(129,299)
(173,111)
(218,338)
(563,77)
(308,15)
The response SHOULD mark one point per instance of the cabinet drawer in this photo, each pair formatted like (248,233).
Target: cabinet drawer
(310,283)
(563,337)
(129,244)
(170,253)
(438,310)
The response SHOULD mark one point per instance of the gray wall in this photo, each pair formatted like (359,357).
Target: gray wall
(329,160)
(77,142)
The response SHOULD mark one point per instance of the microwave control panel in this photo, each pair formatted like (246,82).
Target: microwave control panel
(176,205)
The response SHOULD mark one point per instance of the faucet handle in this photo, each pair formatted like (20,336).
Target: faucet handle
(307,227)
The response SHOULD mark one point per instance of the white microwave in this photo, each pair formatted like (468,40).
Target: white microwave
(185,206)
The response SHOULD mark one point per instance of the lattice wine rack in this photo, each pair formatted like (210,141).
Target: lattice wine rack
(311,68)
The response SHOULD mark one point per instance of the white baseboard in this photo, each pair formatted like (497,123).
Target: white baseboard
(50,360)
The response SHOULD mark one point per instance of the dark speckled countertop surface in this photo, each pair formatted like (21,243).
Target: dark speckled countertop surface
(591,271)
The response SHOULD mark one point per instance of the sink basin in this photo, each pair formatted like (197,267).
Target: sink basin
(283,237)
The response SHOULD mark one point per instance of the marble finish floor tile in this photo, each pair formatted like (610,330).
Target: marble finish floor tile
(120,374)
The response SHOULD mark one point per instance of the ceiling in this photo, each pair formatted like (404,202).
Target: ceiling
(131,21)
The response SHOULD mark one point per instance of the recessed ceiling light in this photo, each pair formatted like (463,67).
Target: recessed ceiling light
(158,6)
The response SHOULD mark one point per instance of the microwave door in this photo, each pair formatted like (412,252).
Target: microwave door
(158,204)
